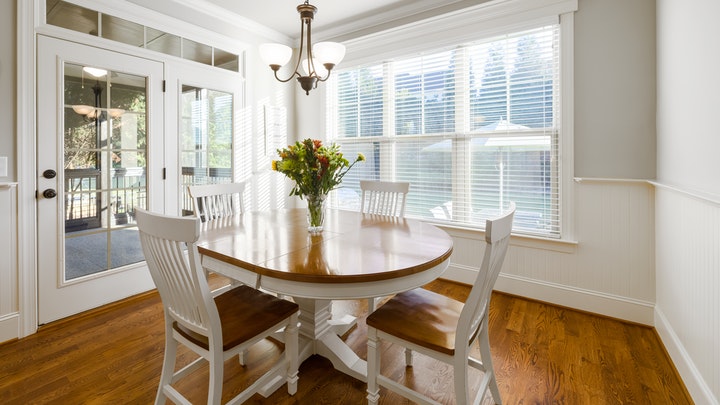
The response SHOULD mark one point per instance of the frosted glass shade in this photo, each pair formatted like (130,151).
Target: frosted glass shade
(320,70)
(275,54)
(329,52)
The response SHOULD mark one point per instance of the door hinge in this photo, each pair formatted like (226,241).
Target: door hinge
(164,173)
(163,86)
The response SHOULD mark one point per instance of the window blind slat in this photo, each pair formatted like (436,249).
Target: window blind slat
(471,128)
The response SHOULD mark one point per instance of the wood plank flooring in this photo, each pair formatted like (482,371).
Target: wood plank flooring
(542,354)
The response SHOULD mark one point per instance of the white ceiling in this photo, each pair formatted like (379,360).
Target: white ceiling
(334,18)
(282,15)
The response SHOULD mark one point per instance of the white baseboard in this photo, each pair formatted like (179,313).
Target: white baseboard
(694,382)
(585,300)
(9,327)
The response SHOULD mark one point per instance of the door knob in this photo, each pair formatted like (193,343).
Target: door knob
(49,174)
(49,193)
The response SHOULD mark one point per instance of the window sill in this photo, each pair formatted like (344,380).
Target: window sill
(555,245)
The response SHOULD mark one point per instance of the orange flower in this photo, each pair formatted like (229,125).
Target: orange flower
(315,168)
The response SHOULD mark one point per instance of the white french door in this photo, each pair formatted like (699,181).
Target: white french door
(100,154)
(212,145)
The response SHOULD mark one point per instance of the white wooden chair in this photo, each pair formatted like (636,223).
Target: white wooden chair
(211,201)
(442,328)
(386,198)
(216,328)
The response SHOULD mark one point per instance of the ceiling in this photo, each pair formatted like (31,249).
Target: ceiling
(334,18)
(284,18)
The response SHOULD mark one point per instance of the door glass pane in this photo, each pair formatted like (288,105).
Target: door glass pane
(206,129)
(105,160)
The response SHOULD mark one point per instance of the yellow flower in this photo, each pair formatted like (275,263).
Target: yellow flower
(274,165)
(361,157)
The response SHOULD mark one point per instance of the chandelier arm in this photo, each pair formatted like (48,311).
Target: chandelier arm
(328,67)
(299,57)
(292,76)
(311,60)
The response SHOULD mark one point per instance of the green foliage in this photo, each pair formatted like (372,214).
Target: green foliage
(315,168)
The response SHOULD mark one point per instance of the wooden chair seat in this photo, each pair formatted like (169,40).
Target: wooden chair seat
(422,317)
(244,313)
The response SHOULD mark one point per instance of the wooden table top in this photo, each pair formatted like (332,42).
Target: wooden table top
(352,248)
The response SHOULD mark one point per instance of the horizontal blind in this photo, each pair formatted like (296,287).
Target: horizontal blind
(471,127)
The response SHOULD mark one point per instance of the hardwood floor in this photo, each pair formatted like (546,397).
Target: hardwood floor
(542,355)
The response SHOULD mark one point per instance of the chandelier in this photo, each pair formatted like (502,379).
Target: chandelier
(317,61)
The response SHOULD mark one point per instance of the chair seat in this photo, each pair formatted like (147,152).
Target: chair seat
(421,317)
(244,313)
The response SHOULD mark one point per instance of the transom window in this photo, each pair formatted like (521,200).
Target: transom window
(471,127)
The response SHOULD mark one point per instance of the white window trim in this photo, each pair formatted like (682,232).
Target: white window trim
(491,18)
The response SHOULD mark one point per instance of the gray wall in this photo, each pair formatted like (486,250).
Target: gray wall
(615,89)
(7,86)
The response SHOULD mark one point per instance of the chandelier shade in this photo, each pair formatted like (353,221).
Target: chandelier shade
(316,60)
(275,54)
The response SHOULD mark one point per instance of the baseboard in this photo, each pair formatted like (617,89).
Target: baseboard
(694,382)
(585,300)
(9,327)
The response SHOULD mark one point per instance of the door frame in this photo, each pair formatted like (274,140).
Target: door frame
(57,298)
(30,23)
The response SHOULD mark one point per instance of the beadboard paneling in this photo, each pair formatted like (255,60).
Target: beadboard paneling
(609,271)
(8,263)
(688,288)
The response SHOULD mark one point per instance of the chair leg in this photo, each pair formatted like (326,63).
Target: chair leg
(373,367)
(408,357)
(168,367)
(217,367)
(242,355)
(460,370)
(484,342)
(291,354)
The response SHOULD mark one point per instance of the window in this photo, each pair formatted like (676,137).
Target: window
(471,127)
(73,17)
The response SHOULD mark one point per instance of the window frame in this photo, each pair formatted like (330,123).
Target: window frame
(518,16)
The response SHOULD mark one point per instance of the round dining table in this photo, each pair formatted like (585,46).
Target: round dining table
(355,256)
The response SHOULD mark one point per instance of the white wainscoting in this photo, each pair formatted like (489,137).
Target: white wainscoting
(9,316)
(688,287)
(608,270)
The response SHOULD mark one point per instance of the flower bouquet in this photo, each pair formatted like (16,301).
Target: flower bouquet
(316,170)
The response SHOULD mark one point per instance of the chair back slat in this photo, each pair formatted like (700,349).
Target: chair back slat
(497,240)
(174,263)
(212,201)
(384,197)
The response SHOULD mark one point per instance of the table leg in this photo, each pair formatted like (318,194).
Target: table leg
(322,332)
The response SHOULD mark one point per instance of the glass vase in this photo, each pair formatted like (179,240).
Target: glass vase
(315,212)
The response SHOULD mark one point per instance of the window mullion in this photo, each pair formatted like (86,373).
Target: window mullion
(387,147)
(461,195)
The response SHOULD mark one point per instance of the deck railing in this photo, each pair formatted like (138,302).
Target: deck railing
(85,204)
